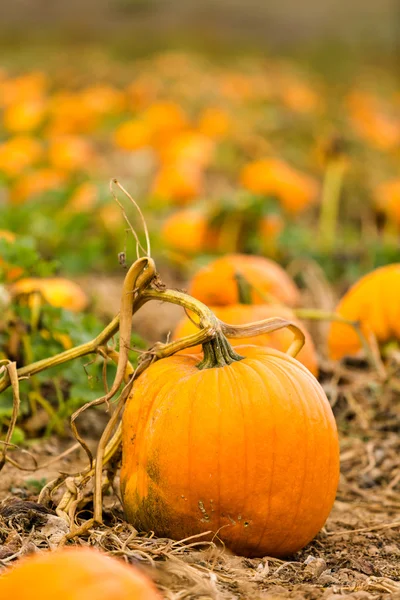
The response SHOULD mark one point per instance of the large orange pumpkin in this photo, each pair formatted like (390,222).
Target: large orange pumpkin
(75,574)
(244,448)
(240,314)
(216,284)
(57,291)
(374,301)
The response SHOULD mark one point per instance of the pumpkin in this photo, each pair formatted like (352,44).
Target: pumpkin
(83,199)
(387,198)
(371,122)
(24,116)
(240,314)
(216,284)
(57,291)
(188,147)
(165,120)
(214,122)
(185,230)
(299,96)
(31,86)
(35,183)
(243,446)
(11,273)
(295,190)
(75,574)
(66,119)
(133,135)
(103,100)
(189,231)
(178,182)
(18,153)
(70,153)
(374,302)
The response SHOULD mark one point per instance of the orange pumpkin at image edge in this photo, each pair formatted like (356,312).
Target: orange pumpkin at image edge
(240,314)
(75,574)
(374,301)
(251,452)
(216,285)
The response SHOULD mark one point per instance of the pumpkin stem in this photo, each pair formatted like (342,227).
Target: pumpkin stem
(218,353)
(244,289)
(217,350)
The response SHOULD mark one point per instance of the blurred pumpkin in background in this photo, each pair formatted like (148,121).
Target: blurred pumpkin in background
(295,191)
(24,116)
(84,198)
(178,182)
(214,122)
(387,199)
(298,95)
(11,273)
(165,119)
(133,135)
(70,153)
(18,153)
(372,122)
(102,100)
(374,302)
(28,87)
(216,284)
(186,230)
(36,182)
(188,147)
(68,115)
(57,291)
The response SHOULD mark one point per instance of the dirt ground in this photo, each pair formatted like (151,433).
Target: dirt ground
(355,556)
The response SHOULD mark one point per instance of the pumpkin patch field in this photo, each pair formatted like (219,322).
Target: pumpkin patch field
(199,327)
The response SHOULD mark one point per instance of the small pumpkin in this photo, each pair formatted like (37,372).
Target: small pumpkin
(188,147)
(295,190)
(133,135)
(35,183)
(11,273)
(240,314)
(240,445)
(57,291)
(70,153)
(75,574)
(185,230)
(18,153)
(24,116)
(387,198)
(372,122)
(165,120)
(216,283)
(178,182)
(214,122)
(374,302)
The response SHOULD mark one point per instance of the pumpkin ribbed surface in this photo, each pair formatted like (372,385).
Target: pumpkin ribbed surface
(75,574)
(216,284)
(247,451)
(240,314)
(374,301)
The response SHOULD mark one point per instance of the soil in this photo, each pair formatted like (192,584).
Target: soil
(355,556)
